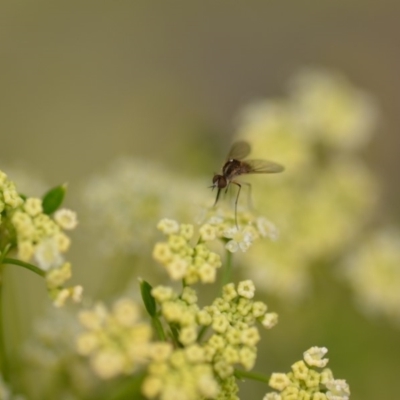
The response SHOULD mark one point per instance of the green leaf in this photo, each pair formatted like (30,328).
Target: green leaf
(148,299)
(128,388)
(53,198)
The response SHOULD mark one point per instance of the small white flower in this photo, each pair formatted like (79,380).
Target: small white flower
(25,250)
(267,228)
(208,232)
(126,312)
(63,241)
(188,335)
(240,239)
(186,230)
(152,386)
(168,226)
(208,386)
(229,292)
(160,351)
(76,294)
(338,390)
(270,320)
(204,318)
(220,323)
(314,357)
(11,197)
(272,396)
(66,219)
(259,309)
(93,319)
(177,268)
(86,343)
(162,293)
(3,179)
(250,336)
(215,220)
(326,376)
(56,277)
(47,254)
(223,369)
(194,353)
(62,296)
(232,246)
(279,381)
(246,289)
(300,370)
(108,363)
(189,295)
(33,206)
(207,273)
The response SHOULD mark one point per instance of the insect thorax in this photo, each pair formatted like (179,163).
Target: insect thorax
(231,168)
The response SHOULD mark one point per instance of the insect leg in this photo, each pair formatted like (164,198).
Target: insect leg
(236,201)
(216,199)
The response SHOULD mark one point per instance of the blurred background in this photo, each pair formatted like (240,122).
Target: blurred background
(150,96)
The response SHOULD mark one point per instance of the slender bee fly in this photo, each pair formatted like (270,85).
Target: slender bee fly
(235,165)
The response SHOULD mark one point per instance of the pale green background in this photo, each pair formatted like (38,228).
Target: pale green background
(83,82)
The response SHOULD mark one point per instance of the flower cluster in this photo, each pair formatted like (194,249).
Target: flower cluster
(181,373)
(194,263)
(55,279)
(326,194)
(116,341)
(50,353)
(220,337)
(304,382)
(221,223)
(373,271)
(181,259)
(233,318)
(129,198)
(37,237)
(331,110)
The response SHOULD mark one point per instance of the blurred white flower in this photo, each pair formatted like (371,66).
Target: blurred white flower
(124,204)
(373,271)
(239,239)
(326,194)
(47,254)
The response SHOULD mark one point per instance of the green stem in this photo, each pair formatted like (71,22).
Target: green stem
(227,276)
(175,335)
(240,374)
(4,253)
(3,352)
(26,265)
(3,261)
(203,330)
(158,328)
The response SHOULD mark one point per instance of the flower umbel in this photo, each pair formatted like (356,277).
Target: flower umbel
(117,341)
(327,193)
(307,383)
(220,223)
(28,228)
(183,260)
(229,328)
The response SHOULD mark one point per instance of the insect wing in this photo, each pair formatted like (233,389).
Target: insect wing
(262,167)
(238,151)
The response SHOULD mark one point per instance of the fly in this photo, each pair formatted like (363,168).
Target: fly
(235,165)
